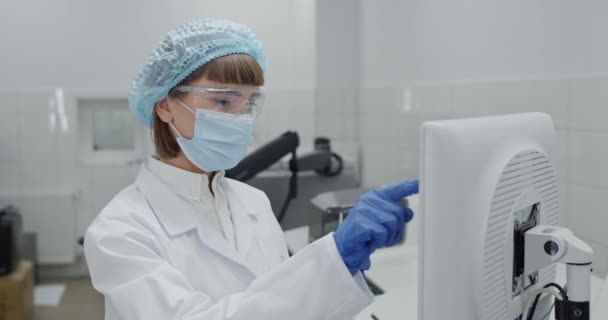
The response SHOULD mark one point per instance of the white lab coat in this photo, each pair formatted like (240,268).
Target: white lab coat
(151,258)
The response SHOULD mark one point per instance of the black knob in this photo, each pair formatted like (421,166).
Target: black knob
(551,248)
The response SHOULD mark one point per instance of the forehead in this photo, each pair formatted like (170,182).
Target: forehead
(206,83)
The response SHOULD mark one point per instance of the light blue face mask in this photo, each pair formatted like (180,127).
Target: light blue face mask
(220,139)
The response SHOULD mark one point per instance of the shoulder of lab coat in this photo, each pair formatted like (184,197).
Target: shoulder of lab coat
(127,266)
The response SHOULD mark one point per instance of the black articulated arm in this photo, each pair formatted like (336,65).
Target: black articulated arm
(265,156)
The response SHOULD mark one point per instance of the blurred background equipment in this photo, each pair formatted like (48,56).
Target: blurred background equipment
(11,228)
(321,161)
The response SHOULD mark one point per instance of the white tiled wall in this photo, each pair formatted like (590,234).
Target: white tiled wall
(588,156)
(590,103)
(33,153)
(311,113)
(286,110)
(37,158)
(336,117)
(390,118)
(10,170)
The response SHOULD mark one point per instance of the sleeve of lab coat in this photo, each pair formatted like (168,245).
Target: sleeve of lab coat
(138,283)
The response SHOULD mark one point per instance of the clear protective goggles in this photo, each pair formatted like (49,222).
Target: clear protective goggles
(229,100)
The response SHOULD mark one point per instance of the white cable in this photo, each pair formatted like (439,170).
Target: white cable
(549,290)
(546,315)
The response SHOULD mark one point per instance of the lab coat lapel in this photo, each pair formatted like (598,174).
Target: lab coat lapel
(178,217)
(215,241)
(247,229)
(243,226)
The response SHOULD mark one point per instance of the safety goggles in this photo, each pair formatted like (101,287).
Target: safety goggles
(229,100)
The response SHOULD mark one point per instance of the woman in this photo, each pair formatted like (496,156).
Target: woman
(184,242)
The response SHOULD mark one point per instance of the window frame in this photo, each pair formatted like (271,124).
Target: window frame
(86,104)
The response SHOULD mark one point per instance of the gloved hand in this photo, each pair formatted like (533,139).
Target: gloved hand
(376,220)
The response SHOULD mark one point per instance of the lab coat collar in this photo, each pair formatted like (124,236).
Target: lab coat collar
(177,218)
(173,213)
(187,184)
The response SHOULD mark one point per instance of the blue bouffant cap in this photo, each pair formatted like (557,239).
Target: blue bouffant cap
(184,50)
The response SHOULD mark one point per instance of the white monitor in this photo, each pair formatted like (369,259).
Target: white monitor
(481,180)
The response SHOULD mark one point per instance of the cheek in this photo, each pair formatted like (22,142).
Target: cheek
(184,122)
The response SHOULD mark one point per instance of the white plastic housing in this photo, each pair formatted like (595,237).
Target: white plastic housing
(546,245)
(475,174)
(568,248)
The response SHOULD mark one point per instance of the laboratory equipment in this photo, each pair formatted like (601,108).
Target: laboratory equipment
(322,161)
(485,183)
(547,245)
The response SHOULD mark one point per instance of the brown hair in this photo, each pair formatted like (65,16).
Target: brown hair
(236,68)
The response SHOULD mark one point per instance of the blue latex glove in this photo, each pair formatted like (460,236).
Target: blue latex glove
(375,221)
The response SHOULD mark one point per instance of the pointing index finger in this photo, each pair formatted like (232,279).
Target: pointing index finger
(398,191)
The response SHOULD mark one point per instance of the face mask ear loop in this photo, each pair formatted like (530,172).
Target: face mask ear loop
(175,129)
(171,123)
(185,106)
